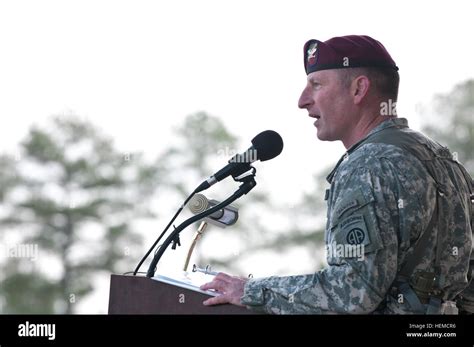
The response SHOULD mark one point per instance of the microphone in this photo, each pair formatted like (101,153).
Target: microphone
(222,218)
(265,146)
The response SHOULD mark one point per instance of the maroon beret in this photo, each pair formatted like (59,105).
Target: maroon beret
(345,52)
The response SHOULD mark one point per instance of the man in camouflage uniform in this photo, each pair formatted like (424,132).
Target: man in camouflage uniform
(399,214)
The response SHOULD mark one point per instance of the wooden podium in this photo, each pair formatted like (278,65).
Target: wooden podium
(143,295)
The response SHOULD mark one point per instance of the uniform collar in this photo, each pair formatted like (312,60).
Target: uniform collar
(389,123)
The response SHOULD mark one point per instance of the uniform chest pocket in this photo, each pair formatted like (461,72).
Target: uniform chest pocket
(354,223)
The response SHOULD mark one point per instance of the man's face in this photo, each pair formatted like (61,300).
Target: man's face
(329,102)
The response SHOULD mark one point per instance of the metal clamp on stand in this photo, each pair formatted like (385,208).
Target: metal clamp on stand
(247,185)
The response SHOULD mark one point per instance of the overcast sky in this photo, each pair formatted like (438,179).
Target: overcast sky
(137,68)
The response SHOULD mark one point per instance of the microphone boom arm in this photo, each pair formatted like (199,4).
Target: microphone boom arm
(247,185)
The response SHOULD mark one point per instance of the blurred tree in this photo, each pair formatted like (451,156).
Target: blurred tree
(452,122)
(8,175)
(71,195)
(308,218)
(198,141)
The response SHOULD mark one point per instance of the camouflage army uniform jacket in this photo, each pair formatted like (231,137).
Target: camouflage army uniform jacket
(380,200)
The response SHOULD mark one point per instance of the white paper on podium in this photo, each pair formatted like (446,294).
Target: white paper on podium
(188,280)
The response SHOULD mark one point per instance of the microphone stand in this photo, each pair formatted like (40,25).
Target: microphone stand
(197,236)
(248,183)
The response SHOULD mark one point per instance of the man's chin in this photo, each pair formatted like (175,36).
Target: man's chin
(321,136)
(324,137)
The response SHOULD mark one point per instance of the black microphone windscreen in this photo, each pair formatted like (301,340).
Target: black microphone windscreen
(268,144)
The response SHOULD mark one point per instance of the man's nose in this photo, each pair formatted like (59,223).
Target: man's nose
(305,100)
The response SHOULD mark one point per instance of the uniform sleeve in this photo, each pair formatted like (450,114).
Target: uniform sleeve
(367,210)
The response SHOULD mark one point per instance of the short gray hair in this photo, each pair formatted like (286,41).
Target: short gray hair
(384,81)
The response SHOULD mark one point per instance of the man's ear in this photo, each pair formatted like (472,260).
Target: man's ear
(359,88)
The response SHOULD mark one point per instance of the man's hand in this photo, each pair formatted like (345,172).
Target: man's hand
(230,288)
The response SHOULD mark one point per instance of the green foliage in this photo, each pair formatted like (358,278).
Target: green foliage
(69,180)
(204,136)
(198,142)
(29,293)
(452,123)
(8,175)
